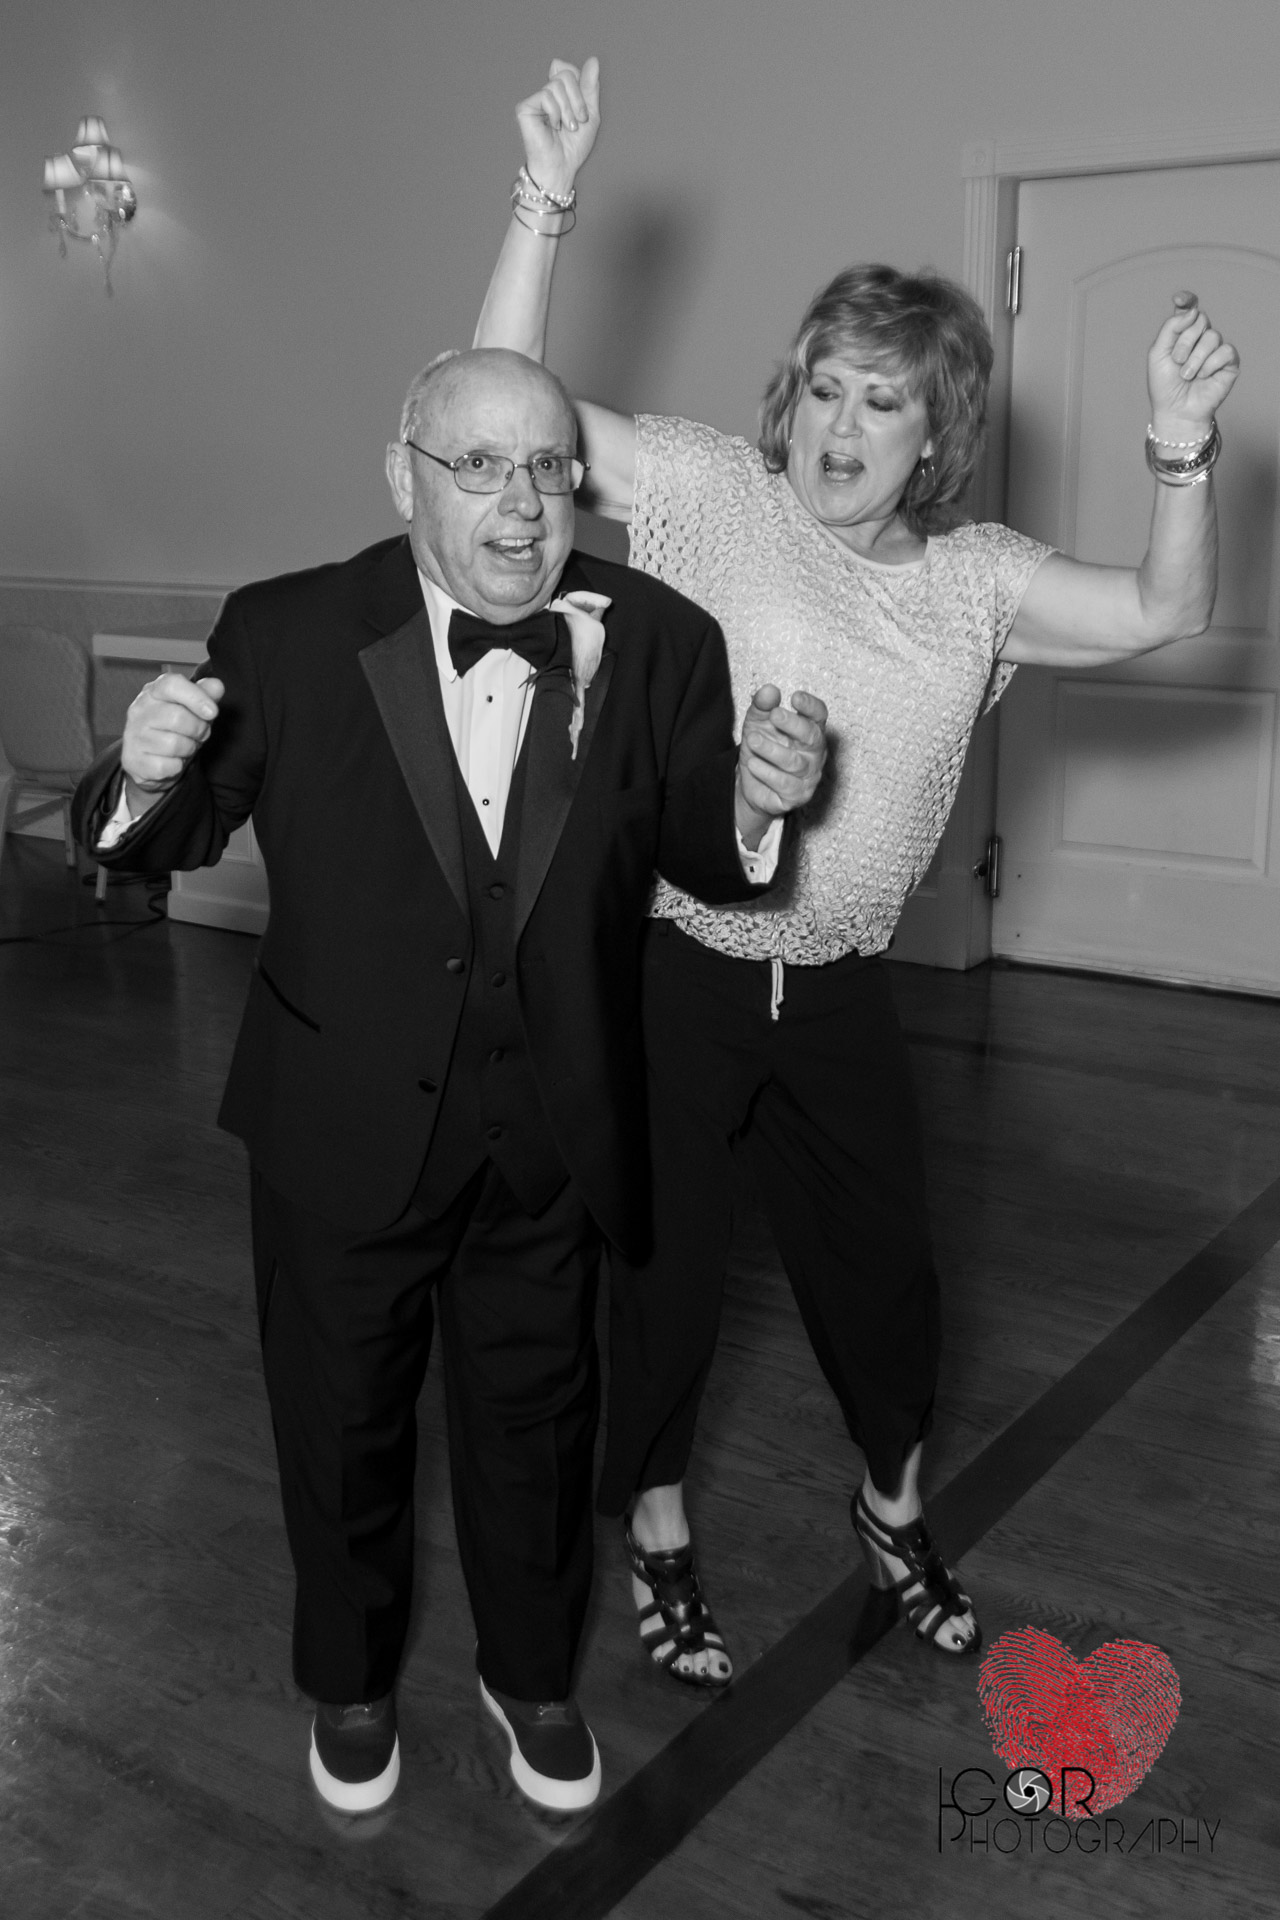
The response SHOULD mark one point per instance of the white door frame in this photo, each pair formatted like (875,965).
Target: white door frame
(993,170)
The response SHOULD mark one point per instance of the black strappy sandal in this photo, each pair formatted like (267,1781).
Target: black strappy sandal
(677,1620)
(929,1592)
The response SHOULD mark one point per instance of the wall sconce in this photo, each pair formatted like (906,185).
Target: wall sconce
(93,195)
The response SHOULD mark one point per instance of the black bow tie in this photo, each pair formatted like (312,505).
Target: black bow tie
(534,639)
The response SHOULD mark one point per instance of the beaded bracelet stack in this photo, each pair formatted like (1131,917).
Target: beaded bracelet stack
(533,206)
(1202,458)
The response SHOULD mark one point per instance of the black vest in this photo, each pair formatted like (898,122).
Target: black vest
(491,1108)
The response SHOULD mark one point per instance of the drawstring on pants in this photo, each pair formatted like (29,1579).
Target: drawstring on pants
(775,992)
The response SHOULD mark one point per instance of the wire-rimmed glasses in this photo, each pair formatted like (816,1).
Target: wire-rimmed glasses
(478,472)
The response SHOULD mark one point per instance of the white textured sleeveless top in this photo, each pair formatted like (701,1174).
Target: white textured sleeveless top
(903,657)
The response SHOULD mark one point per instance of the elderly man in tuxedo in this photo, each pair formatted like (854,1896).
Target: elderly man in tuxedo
(465,751)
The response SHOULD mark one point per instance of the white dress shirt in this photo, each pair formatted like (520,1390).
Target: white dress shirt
(487,711)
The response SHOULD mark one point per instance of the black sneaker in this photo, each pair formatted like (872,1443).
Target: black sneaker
(554,1758)
(355,1754)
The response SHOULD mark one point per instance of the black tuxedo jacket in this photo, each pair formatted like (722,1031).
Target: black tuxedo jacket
(332,734)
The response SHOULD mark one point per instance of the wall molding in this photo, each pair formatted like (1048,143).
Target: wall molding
(1034,156)
(72,583)
(993,168)
(80,608)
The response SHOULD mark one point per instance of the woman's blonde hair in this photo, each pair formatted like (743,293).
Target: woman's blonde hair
(921,328)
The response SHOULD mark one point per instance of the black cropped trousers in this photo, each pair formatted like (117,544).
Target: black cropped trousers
(822,1101)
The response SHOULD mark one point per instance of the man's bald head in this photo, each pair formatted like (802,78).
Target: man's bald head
(452,376)
(499,554)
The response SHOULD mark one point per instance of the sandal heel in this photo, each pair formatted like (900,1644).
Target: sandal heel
(879,1573)
(677,1620)
(929,1592)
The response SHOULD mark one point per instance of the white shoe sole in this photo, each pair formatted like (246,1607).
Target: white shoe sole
(355,1796)
(561,1796)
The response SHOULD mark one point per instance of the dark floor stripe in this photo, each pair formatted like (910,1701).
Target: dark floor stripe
(613,1849)
(983,1492)
(1007,1053)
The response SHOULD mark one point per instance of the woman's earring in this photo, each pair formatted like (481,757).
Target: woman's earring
(928,474)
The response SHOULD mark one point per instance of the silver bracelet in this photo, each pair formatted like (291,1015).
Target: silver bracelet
(530,194)
(520,210)
(1186,473)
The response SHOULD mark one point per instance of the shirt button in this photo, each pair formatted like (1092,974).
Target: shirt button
(497,891)
(497,1057)
(494,1133)
(484,803)
(499,980)
(456,966)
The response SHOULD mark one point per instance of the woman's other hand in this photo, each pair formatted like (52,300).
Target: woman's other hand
(1190,371)
(560,122)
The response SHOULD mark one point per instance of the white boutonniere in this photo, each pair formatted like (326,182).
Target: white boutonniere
(586,636)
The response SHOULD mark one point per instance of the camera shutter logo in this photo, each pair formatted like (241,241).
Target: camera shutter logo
(1028,1791)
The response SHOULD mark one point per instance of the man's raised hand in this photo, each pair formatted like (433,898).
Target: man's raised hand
(168,722)
(780,760)
(560,122)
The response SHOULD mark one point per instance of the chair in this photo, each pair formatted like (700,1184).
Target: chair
(45,730)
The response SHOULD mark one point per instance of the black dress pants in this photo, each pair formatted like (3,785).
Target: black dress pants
(346,1326)
(822,1101)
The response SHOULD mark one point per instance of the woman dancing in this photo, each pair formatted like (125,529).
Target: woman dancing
(834,546)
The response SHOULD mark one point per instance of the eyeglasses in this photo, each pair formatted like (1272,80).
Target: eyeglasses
(492,472)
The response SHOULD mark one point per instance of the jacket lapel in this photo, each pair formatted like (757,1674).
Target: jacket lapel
(552,775)
(401,671)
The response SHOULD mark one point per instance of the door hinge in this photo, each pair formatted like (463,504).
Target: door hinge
(988,868)
(1013,282)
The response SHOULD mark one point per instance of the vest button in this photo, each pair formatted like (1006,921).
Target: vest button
(456,966)
(497,891)
(428,1086)
(497,1057)
(494,1133)
(499,980)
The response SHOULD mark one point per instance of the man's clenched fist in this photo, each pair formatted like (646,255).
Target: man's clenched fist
(780,760)
(168,722)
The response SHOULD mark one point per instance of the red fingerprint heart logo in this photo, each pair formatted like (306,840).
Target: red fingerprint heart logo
(1109,1713)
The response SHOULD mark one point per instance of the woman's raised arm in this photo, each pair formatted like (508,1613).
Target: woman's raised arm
(1076,615)
(558,125)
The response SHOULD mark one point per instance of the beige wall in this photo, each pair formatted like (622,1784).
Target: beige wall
(322,190)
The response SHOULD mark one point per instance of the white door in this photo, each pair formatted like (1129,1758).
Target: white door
(1138,806)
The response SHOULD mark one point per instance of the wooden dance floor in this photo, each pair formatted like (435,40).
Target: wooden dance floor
(1105,1166)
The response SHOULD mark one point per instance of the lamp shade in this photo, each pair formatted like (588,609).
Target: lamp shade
(60,171)
(91,132)
(107,164)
